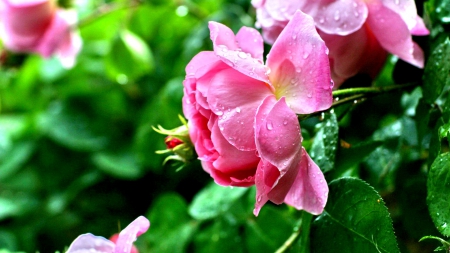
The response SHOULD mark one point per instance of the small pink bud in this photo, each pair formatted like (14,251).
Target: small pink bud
(172,142)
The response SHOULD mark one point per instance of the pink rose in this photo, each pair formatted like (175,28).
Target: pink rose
(86,243)
(359,33)
(38,26)
(242,113)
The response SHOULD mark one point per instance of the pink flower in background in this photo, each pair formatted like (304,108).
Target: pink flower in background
(242,113)
(86,243)
(38,26)
(358,33)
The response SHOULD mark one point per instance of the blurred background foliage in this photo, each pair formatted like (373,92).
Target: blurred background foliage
(77,148)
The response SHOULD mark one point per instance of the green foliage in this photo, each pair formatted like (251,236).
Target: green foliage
(78,149)
(355,220)
(323,150)
(213,201)
(437,72)
(439,192)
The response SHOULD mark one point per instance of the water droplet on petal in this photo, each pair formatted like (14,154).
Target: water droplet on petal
(321,20)
(219,113)
(305,55)
(285,122)
(337,15)
(242,55)
(238,110)
(269,126)
(309,95)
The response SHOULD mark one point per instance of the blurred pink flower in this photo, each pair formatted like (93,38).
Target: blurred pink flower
(359,33)
(39,26)
(86,243)
(242,113)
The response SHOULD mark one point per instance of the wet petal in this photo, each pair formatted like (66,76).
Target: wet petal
(341,17)
(299,65)
(406,9)
(91,243)
(359,52)
(127,236)
(234,97)
(203,63)
(283,10)
(250,41)
(227,50)
(393,34)
(266,175)
(240,165)
(278,138)
(310,190)
(278,143)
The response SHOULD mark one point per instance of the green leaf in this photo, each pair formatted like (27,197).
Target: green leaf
(438,197)
(323,150)
(118,164)
(220,237)
(437,72)
(13,159)
(73,128)
(171,226)
(442,12)
(261,235)
(214,200)
(129,58)
(355,220)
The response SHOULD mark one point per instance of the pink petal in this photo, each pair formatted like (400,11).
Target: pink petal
(70,45)
(279,145)
(299,65)
(406,9)
(58,30)
(271,28)
(282,10)
(419,28)
(273,185)
(340,17)
(393,34)
(265,178)
(278,138)
(127,236)
(234,97)
(237,166)
(250,41)
(90,243)
(310,190)
(22,25)
(228,51)
(201,64)
(25,3)
(359,52)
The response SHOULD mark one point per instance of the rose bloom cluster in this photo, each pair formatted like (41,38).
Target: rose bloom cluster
(39,26)
(242,112)
(358,33)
